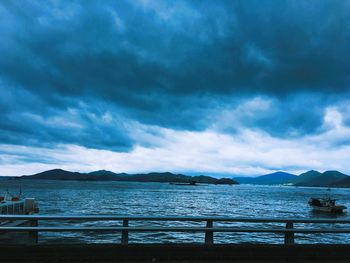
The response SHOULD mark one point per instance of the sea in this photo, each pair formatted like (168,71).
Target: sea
(163,199)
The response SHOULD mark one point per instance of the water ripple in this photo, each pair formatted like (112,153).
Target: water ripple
(161,199)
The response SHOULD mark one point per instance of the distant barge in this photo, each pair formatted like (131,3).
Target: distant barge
(185,183)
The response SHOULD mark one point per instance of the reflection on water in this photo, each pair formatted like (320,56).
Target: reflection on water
(161,199)
(325,215)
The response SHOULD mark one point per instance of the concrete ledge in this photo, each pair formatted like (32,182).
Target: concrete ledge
(110,253)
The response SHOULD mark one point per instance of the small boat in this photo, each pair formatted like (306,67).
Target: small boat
(326,205)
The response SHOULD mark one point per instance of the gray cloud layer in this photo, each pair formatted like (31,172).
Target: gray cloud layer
(79,72)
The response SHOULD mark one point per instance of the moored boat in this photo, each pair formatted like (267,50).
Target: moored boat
(326,205)
(17,205)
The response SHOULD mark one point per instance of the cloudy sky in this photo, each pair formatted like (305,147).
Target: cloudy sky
(197,87)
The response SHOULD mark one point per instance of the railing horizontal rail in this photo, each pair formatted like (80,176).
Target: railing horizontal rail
(208,229)
(175,218)
(174,229)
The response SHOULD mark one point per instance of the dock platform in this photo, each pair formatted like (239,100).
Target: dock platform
(175,253)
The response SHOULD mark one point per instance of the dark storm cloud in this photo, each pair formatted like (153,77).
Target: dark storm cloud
(85,126)
(172,64)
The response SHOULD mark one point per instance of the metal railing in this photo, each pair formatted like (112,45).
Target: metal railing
(288,228)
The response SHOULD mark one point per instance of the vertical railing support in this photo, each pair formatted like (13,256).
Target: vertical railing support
(289,236)
(33,235)
(125,233)
(209,236)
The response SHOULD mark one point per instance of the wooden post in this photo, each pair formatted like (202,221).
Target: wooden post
(33,235)
(289,236)
(125,233)
(209,236)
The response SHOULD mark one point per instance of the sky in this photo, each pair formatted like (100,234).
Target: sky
(196,87)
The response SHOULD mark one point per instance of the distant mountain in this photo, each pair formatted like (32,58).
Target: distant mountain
(268,179)
(310,178)
(57,174)
(211,180)
(103,175)
(244,180)
(315,178)
(342,183)
(306,177)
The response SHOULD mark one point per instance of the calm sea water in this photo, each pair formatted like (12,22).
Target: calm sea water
(161,199)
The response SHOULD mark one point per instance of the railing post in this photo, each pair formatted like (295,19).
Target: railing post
(33,235)
(209,236)
(289,236)
(125,233)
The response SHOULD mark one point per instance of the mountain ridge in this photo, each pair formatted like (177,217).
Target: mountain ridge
(312,178)
(330,178)
(104,175)
(315,178)
(268,179)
